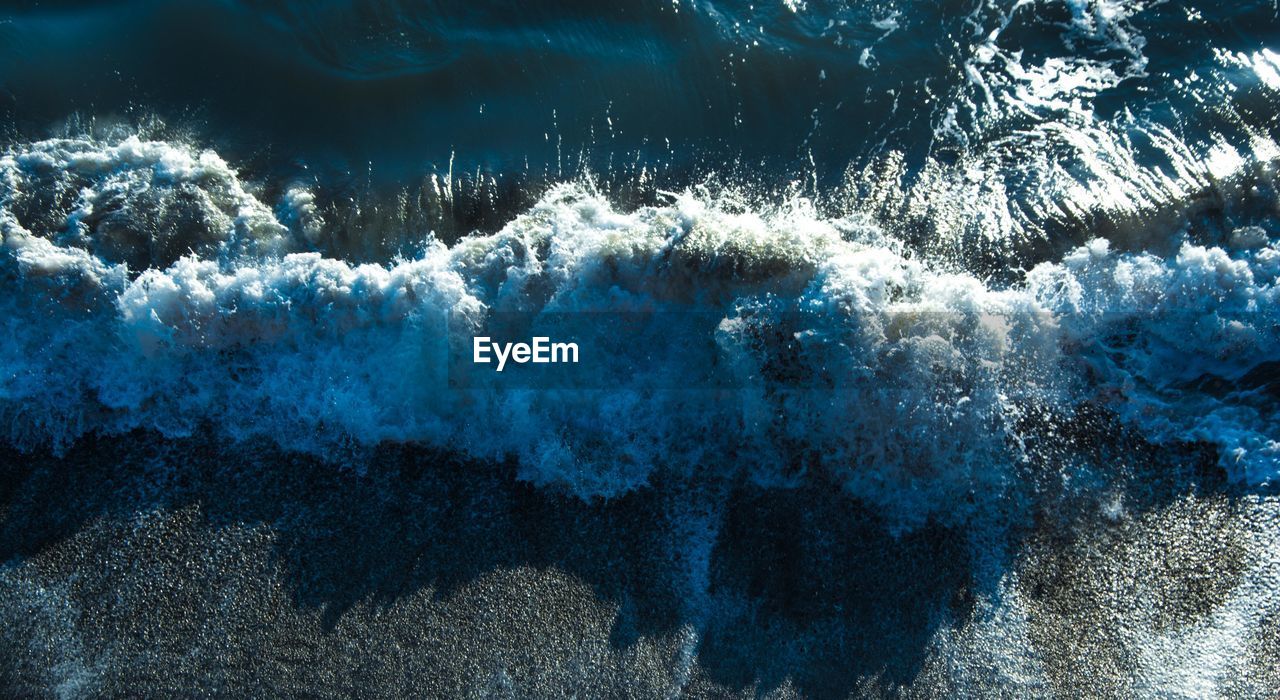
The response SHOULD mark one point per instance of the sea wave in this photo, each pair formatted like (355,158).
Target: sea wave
(148,287)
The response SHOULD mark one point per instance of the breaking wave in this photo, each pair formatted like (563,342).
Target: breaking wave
(147,286)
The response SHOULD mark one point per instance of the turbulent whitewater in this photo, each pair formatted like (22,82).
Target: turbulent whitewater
(229,316)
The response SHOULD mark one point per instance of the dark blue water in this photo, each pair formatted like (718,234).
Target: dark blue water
(355,97)
(402,87)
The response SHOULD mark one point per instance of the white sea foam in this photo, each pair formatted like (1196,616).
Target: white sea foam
(1049,141)
(918,380)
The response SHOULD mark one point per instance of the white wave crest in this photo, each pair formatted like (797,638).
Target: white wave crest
(918,383)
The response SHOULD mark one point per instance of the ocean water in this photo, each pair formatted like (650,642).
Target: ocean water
(929,349)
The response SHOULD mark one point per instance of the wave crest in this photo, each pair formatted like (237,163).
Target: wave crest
(910,386)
